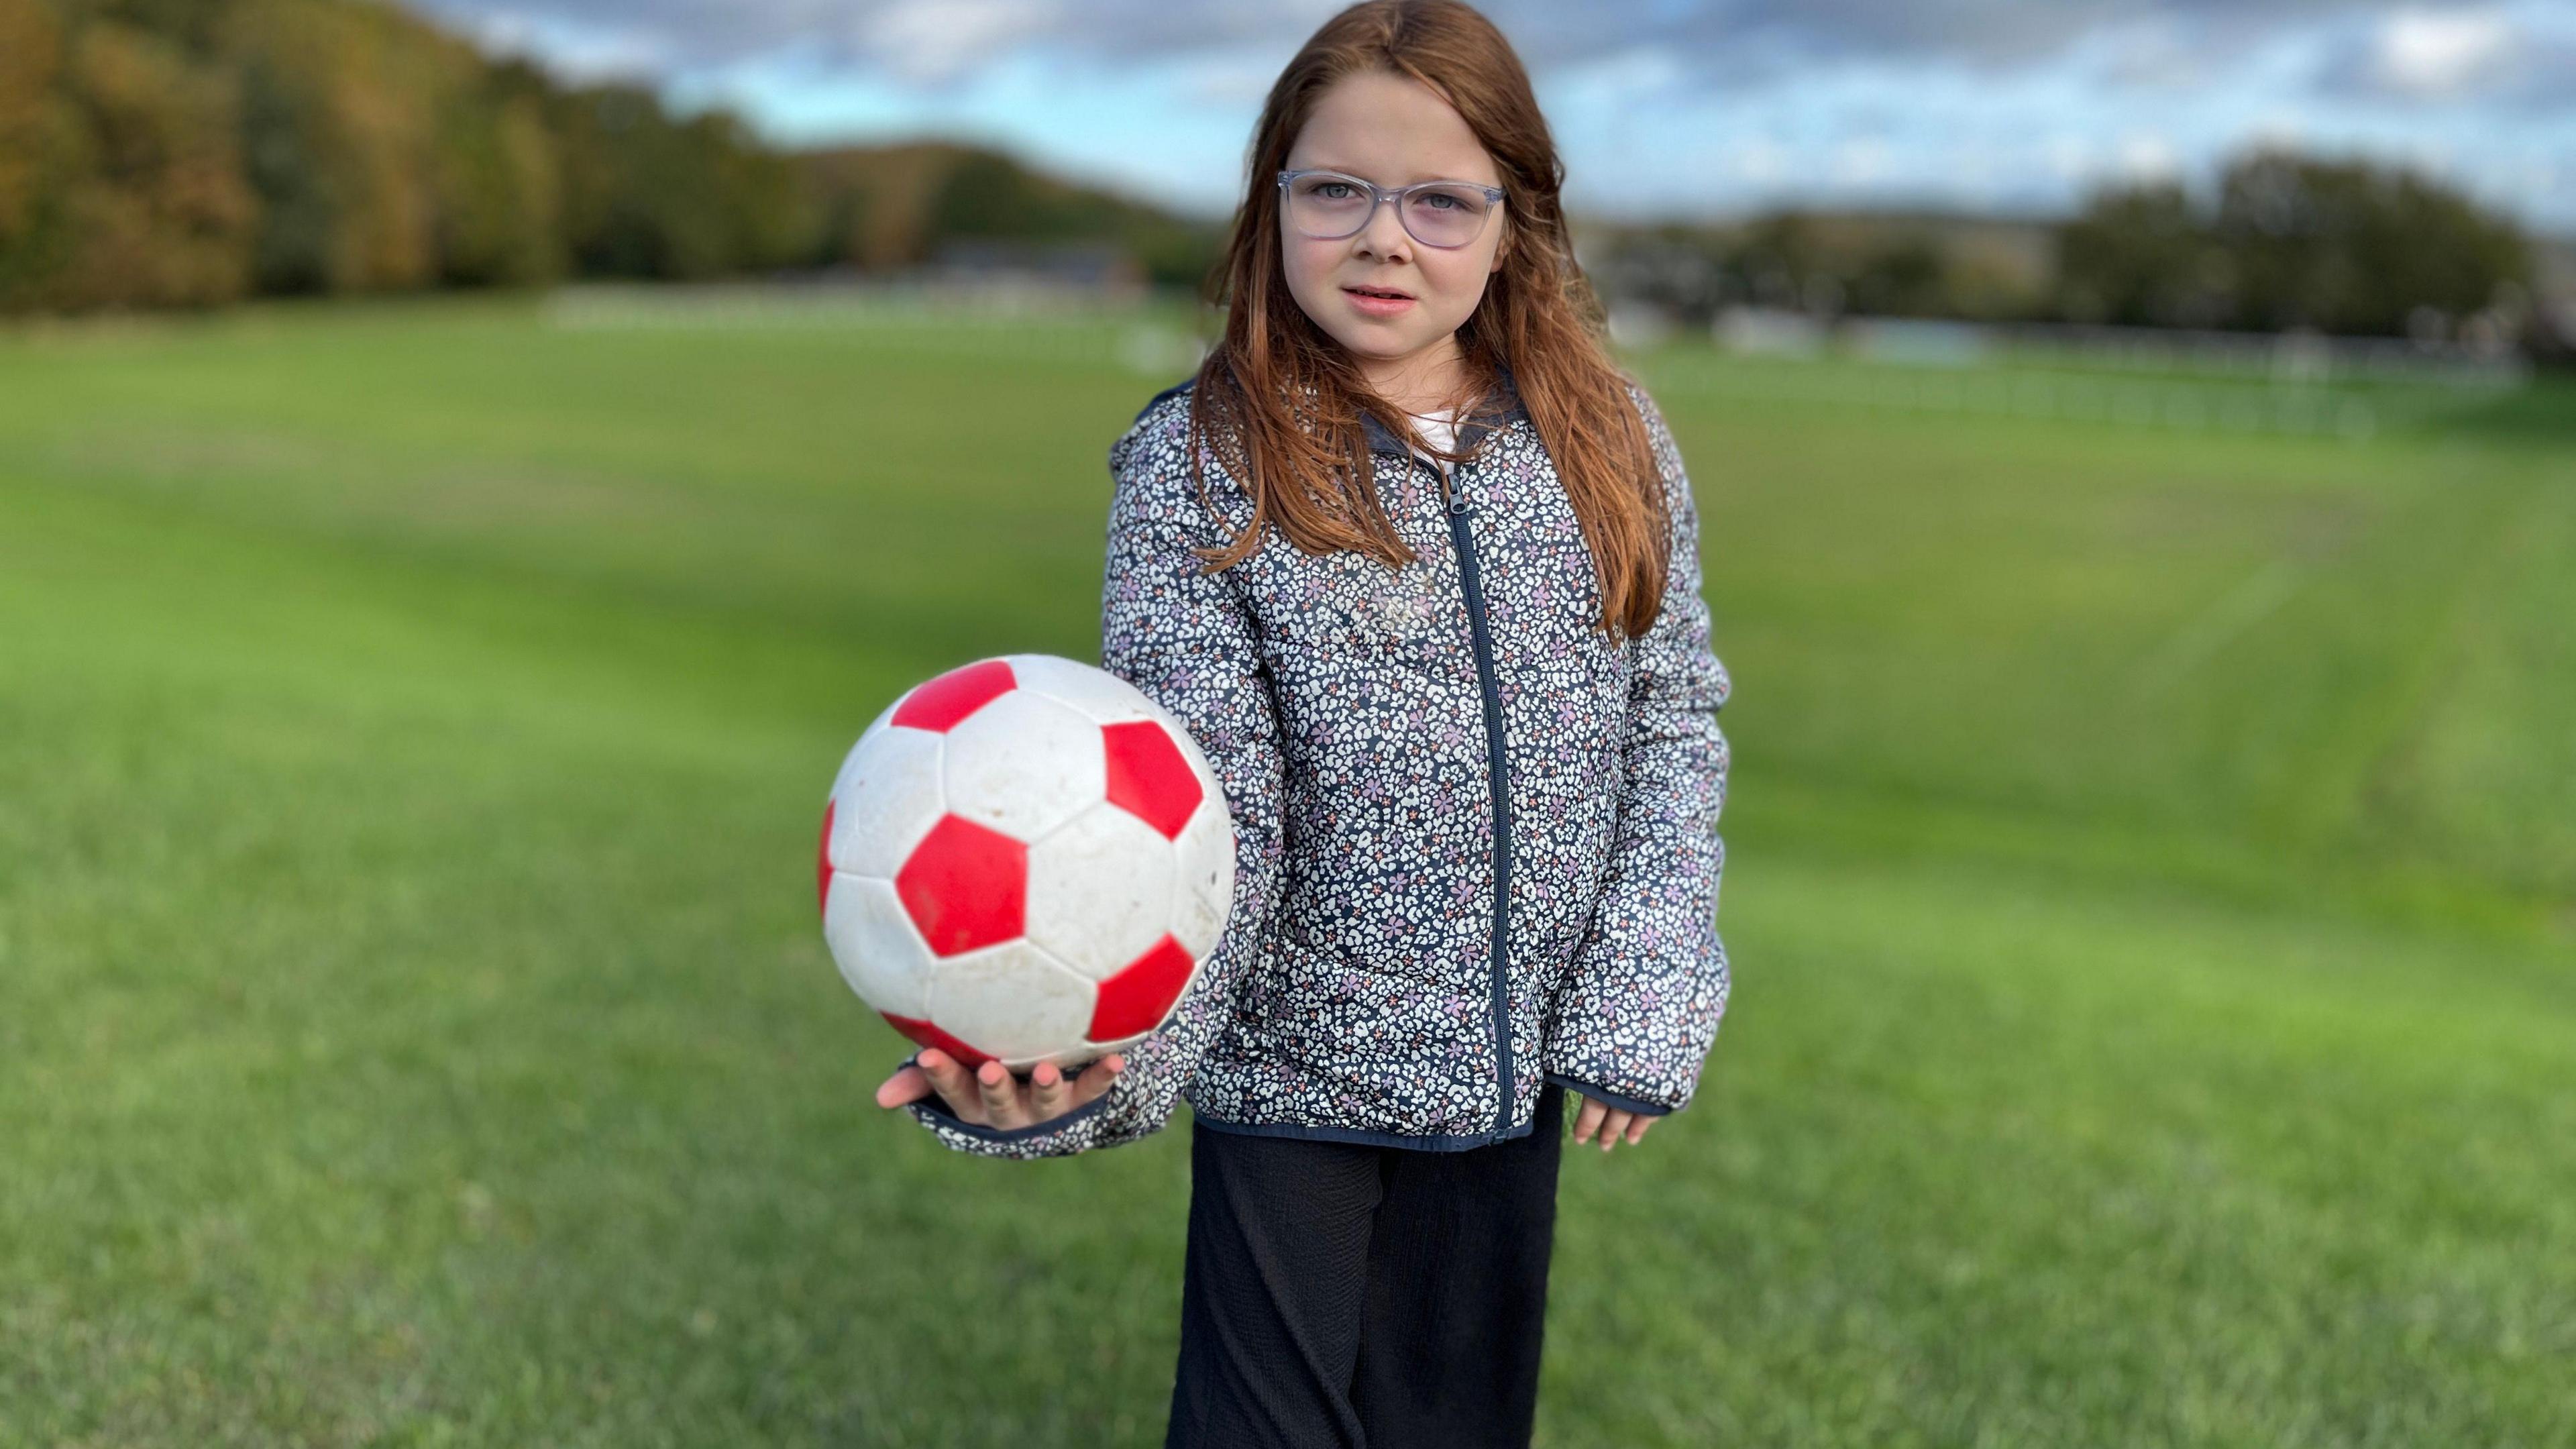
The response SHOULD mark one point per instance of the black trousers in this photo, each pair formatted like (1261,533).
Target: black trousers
(1345,1295)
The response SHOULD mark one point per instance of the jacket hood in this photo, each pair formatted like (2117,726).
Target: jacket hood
(1500,409)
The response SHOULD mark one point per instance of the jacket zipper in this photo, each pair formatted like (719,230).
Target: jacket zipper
(1459,511)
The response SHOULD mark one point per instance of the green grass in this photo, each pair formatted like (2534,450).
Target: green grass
(2152,891)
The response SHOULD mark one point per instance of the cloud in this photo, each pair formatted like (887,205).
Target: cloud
(942,38)
(576,52)
(1985,33)
(932,42)
(2437,54)
(2522,56)
(2147,156)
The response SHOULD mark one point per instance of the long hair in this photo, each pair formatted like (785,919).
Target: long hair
(1278,400)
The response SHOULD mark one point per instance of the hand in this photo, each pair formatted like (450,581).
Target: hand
(991,1096)
(1612,1123)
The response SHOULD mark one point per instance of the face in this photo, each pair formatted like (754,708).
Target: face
(1392,130)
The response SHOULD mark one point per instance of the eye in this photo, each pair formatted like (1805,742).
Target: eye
(1329,189)
(1442,200)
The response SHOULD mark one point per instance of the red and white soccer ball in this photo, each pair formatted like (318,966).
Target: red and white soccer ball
(1025,859)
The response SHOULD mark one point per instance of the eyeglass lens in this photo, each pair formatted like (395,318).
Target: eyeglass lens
(1326,207)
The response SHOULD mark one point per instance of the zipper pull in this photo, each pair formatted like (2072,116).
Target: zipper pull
(1457,502)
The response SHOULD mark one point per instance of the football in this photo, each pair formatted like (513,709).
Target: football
(1024,859)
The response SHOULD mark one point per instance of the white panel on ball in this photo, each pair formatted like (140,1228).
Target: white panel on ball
(1100,890)
(1014,1002)
(850,763)
(1024,764)
(873,942)
(884,720)
(885,801)
(1205,876)
(1096,692)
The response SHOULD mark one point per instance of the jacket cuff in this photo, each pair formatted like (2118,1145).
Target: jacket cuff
(1055,1137)
(1621,1100)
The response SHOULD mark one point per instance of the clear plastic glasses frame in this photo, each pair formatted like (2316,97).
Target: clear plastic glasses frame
(1402,196)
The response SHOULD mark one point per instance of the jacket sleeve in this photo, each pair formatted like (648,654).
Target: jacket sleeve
(1640,1007)
(1187,640)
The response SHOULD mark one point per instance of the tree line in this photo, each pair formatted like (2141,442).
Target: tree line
(2281,241)
(159,153)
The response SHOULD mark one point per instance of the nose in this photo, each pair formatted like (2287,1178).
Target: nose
(1384,236)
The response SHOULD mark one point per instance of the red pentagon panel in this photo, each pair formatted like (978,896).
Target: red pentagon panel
(965,886)
(939,704)
(930,1036)
(823,869)
(1145,988)
(1148,776)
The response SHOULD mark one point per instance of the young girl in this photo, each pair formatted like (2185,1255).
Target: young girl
(1419,569)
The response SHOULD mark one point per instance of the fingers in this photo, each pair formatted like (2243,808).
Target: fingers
(1095,1079)
(1610,1124)
(1614,1125)
(953,1085)
(1004,1104)
(1587,1121)
(1052,1094)
(908,1084)
(991,1095)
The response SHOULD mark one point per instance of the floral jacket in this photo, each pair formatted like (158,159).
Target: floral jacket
(1476,839)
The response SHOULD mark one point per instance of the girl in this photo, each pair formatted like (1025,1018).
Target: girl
(1419,569)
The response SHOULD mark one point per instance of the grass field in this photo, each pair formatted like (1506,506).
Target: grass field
(2152,893)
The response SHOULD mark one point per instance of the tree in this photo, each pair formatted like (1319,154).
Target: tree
(156,197)
(2351,247)
(2143,257)
(36,148)
(2288,241)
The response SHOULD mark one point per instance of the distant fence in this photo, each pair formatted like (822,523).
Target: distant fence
(2294,356)
(2000,392)
(2295,383)
(797,302)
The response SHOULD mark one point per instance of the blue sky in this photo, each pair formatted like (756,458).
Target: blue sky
(1661,107)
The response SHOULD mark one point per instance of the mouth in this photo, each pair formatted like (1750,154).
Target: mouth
(1390,294)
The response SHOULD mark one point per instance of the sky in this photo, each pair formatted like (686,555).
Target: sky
(1661,108)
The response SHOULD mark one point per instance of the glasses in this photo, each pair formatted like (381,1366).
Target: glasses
(1328,205)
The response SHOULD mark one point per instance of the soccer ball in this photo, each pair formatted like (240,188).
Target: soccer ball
(1024,859)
